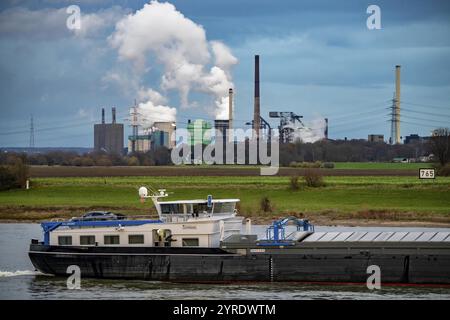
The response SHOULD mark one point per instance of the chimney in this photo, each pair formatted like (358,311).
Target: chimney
(103,115)
(230,109)
(256,111)
(397,105)
(113,115)
(326,128)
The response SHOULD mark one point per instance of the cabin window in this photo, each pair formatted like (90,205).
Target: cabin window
(65,240)
(87,240)
(226,207)
(136,239)
(201,208)
(190,242)
(111,240)
(173,208)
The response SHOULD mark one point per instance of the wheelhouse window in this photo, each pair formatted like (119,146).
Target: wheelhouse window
(201,208)
(224,207)
(136,239)
(172,208)
(112,240)
(65,240)
(190,242)
(87,240)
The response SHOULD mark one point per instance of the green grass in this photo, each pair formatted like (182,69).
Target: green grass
(380,165)
(343,197)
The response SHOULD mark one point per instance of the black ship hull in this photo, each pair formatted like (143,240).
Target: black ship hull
(327,264)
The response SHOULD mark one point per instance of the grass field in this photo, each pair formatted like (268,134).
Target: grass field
(341,169)
(352,198)
(380,165)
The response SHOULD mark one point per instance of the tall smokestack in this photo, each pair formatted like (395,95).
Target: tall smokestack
(397,104)
(103,115)
(256,110)
(326,128)
(230,109)
(113,115)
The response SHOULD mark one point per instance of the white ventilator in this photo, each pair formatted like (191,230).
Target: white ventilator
(143,192)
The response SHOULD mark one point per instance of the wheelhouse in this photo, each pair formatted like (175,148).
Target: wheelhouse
(184,210)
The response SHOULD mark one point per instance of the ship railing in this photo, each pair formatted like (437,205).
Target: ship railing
(139,217)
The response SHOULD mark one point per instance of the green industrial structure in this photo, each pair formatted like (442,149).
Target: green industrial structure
(199,132)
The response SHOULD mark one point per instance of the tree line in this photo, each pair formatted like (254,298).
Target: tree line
(324,151)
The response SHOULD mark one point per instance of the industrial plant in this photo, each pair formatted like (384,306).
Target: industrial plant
(290,128)
(108,137)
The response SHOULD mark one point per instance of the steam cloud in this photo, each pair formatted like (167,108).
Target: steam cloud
(158,33)
(311,132)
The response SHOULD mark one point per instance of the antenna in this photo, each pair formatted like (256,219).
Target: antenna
(31,132)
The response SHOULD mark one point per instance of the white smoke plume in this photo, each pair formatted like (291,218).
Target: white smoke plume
(159,34)
(311,132)
(150,113)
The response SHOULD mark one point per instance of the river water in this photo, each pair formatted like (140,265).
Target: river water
(18,280)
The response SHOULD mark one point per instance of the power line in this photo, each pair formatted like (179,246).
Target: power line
(426,106)
(425,120)
(427,113)
(31,133)
(419,124)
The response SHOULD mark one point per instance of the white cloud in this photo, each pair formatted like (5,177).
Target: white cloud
(159,34)
(151,113)
(50,24)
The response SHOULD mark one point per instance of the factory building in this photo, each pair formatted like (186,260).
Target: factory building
(415,138)
(199,132)
(169,128)
(161,134)
(108,137)
(375,138)
(221,128)
(149,141)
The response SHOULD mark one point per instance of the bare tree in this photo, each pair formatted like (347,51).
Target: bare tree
(440,145)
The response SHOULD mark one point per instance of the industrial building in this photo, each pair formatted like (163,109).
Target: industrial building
(415,138)
(161,134)
(221,129)
(149,141)
(166,127)
(375,138)
(108,137)
(199,132)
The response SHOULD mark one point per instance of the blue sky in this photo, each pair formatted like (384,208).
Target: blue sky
(318,59)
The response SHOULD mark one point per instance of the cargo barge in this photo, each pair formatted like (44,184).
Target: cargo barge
(201,241)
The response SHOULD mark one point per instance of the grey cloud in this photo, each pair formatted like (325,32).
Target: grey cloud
(49,24)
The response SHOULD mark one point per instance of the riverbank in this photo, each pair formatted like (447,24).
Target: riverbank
(384,200)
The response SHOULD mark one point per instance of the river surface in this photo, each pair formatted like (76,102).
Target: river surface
(18,280)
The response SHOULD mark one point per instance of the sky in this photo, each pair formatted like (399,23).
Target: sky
(317,59)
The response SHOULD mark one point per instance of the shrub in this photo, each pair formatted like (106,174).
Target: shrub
(14,176)
(314,179)
(293,183)
(133,161)
(443,171)
(21,172)
(293,164)
(316,164)
(7,179)
(77,161)
(87,162)
(265,204)
(328,165)
(104,161)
